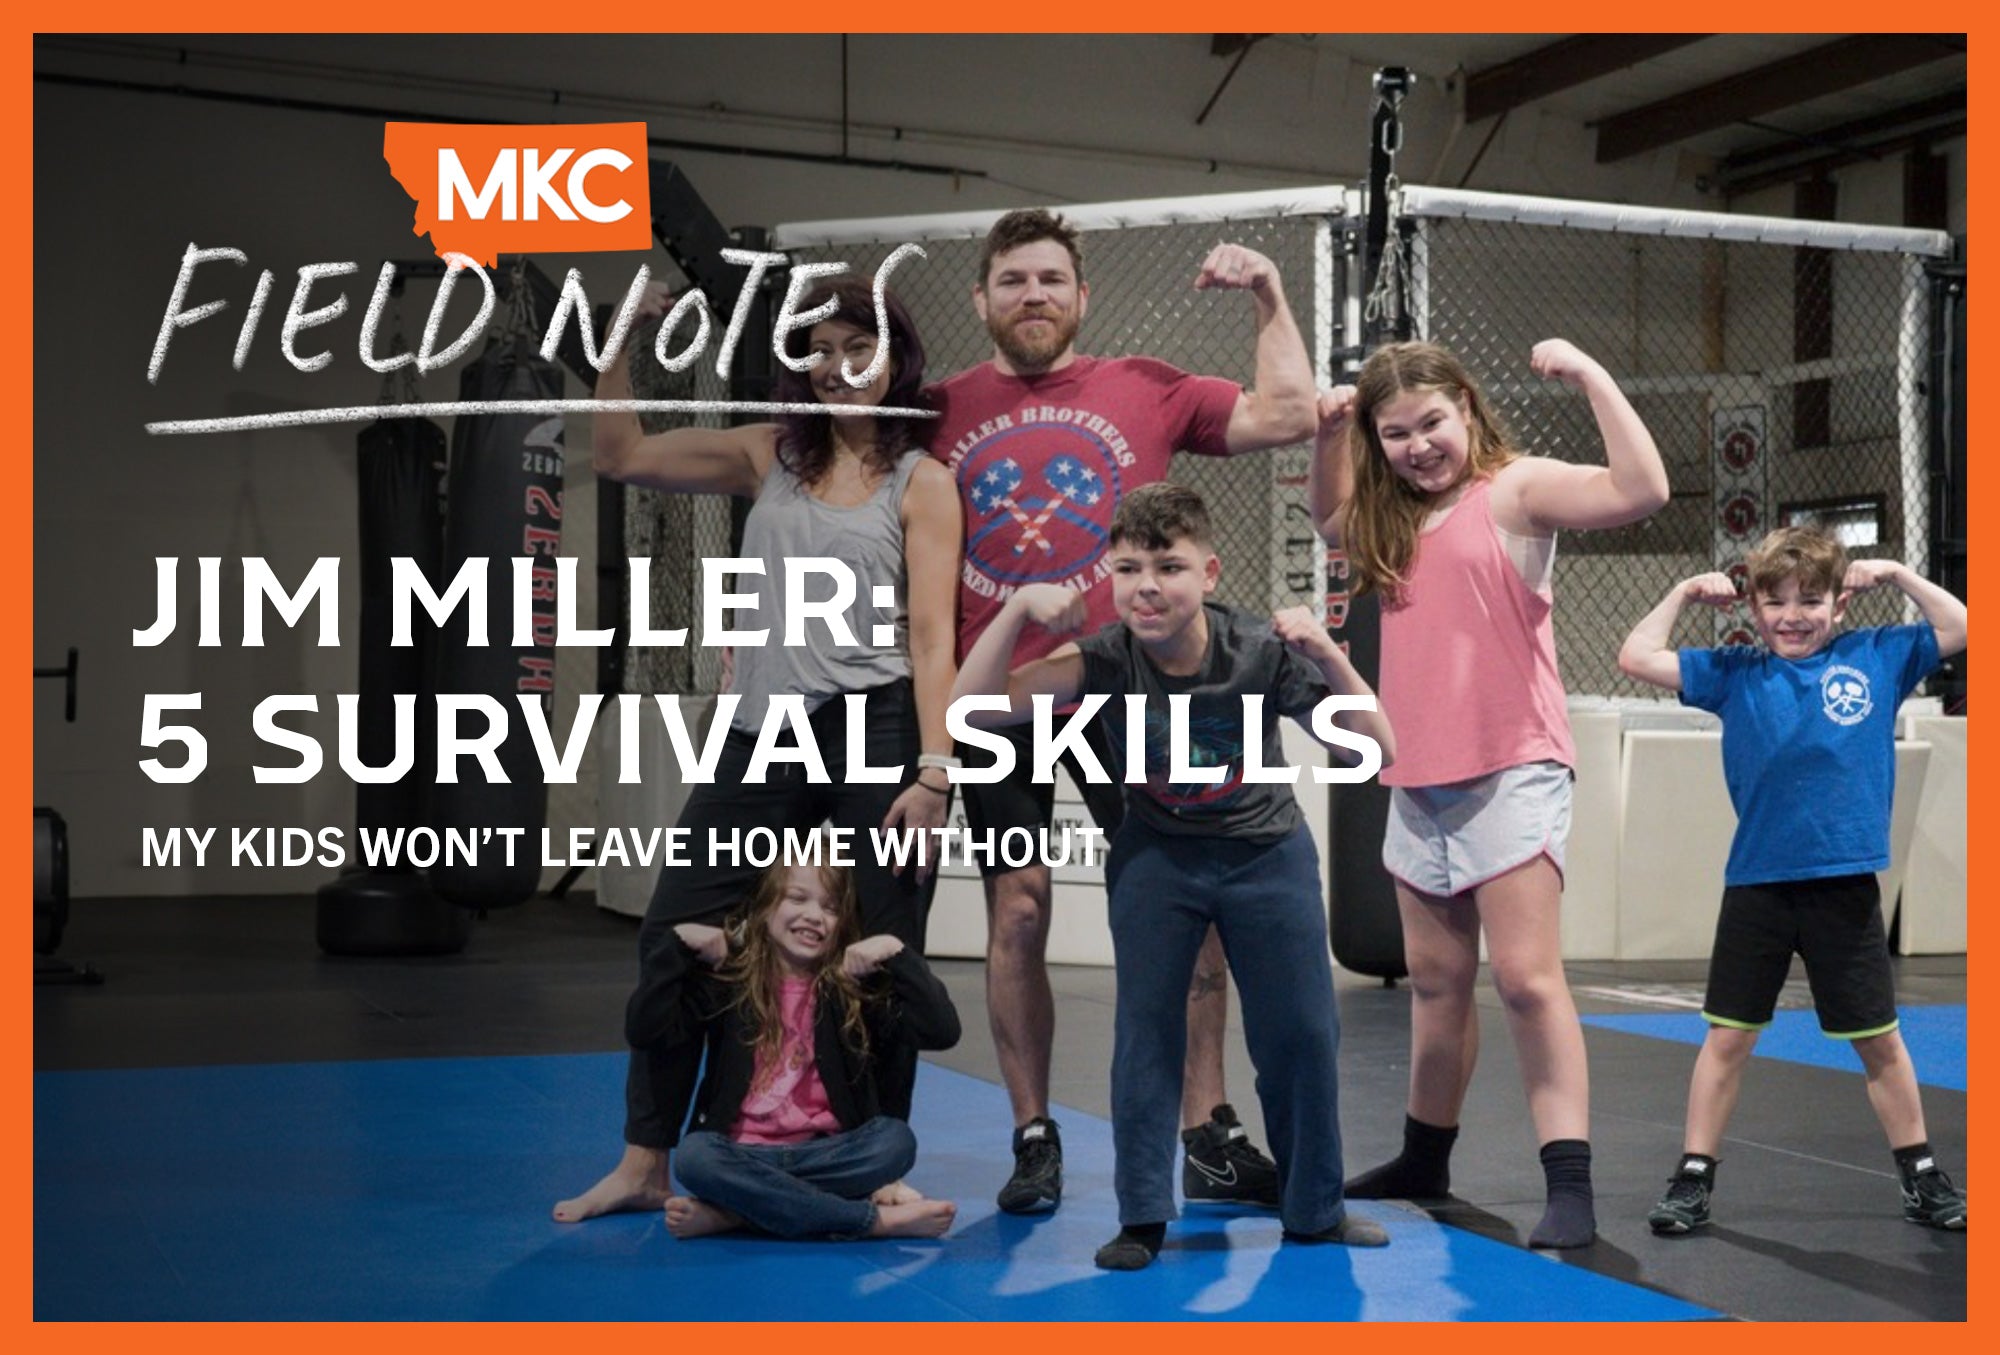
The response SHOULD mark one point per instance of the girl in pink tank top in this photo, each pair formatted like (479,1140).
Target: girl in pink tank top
(1453,526)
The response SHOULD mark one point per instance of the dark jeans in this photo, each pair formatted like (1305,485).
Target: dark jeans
(819,1188)
(660,1082)
(1265,902)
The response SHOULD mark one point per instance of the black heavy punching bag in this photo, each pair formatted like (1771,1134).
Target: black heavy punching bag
(391,910)
(504,495)
(1366,931)
(51,879)
(52,840)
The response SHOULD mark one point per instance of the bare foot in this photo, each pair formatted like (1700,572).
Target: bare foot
(897,1192)
(918,1218)
(638,1182)
(688,1217)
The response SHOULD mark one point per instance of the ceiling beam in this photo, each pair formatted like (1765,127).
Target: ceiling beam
(1242,50)
(1229,44)
(1842,136)
(1739,185)
(1826,69)
(1559,66)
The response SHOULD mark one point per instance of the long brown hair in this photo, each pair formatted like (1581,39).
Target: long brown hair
(755,970)
(805,442)
(1382,519)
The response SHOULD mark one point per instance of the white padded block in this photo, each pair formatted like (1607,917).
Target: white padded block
(1079,926)
(1913,762)
(1673,844)
(957,928)
(1913,709)
(1934,885)
(1590,876)
(657,799)
(1080,929)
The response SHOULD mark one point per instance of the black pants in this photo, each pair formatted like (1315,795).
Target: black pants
(660,1080)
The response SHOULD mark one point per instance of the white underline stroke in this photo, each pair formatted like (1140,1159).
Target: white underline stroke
(303,418)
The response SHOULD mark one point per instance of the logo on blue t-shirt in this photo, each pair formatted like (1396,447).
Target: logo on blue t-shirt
(1844,695)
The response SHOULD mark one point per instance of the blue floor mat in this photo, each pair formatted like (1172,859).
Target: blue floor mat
(420,1189)
(1935,1036)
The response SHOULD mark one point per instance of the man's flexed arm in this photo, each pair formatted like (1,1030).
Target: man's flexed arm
(1279,407)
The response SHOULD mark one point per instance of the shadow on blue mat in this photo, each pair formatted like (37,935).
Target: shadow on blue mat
(1935,1036)
(420,1189)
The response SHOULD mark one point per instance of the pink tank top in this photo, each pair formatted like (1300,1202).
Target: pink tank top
(1469,678)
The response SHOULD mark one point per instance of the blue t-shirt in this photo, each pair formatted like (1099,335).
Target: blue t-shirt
(1809,748)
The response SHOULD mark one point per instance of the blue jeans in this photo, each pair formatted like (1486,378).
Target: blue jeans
(819,1188)
(1264,900)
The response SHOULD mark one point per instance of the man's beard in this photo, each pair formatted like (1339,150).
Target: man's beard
(1034,354)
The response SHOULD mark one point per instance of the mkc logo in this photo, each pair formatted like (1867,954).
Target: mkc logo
(536,180)
(483,190)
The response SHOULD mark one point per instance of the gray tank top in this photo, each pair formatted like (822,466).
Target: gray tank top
(787,522)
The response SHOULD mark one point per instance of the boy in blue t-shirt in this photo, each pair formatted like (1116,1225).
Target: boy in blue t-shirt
(1213,836)
(1809,752)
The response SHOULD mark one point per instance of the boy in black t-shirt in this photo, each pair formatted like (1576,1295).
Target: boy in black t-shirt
(1213,835)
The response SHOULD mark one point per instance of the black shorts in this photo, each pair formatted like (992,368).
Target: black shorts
(1018,801)
(1834,925)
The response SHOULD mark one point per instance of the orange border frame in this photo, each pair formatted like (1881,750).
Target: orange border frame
(16,718)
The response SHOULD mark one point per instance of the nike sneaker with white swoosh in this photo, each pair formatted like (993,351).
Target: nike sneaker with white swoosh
(1222,1166)
(1933,1199)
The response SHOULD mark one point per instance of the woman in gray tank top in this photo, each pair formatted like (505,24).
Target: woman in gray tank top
(842,484)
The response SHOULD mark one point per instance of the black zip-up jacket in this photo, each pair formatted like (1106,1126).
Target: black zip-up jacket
(910,1005)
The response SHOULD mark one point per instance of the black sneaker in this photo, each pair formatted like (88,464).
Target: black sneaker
(1036,1185)
(1222,1165)
(1684,1207)
(1931,1198)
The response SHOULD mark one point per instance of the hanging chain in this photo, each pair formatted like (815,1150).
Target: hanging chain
(519,320)
(1390,295)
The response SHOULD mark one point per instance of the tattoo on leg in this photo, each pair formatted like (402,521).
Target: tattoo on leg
(1208,983)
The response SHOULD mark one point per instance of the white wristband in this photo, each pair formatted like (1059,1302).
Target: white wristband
(945,760)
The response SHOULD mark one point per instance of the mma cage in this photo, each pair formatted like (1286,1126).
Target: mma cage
(1789,370)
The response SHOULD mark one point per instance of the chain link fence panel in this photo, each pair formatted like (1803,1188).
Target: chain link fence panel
(1782,382)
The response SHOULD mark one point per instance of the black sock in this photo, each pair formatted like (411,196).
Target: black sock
(1913,1161)
(1697,1164)
(1422,1171)
(1571,1218)
(1134,1248)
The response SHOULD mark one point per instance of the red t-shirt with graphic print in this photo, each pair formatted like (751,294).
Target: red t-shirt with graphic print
(1041,461)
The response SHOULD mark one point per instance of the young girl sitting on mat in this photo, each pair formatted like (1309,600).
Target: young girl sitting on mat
(797,1010)
(1444,517)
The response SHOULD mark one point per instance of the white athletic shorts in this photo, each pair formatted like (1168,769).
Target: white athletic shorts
(1446,840)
